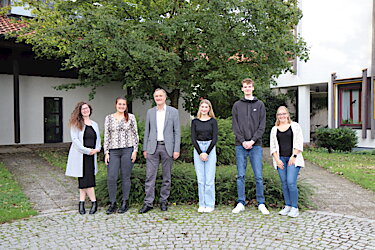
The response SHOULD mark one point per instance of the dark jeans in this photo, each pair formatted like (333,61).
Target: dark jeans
(119,159)
(152,165)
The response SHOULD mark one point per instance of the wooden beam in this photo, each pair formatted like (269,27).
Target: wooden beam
(364,104)
(333,101)
(16,97)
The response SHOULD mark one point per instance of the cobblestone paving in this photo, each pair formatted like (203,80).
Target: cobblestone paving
(183,227)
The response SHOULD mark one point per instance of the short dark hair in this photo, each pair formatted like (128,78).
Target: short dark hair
(247,81)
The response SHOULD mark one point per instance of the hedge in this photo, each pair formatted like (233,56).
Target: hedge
(338,139)
(185,188)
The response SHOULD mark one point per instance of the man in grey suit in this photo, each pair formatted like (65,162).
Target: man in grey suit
(161,143)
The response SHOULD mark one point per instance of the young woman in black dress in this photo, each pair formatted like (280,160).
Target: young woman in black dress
(82,159)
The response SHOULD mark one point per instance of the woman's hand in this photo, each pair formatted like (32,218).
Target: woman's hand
(134,156)
(203,156)
(106,159)
(291,161)
(280,164)
(93,151)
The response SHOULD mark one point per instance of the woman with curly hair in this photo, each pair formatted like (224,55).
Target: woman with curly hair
(82,158)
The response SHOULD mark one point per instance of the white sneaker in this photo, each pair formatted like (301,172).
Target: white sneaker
(285,210)
(239,208)
(201,209)
(293,212)
(209,209)
(263,209)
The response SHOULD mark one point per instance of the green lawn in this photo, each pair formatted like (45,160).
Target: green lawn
(13,202)
(358,168)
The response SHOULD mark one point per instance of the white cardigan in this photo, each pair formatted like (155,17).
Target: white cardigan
(297,144)
(74,167)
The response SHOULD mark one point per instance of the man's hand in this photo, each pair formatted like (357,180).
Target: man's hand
(248,144)
(145,154)
(176,155)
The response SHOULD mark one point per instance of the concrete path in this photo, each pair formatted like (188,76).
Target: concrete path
(47,187)
(333,193)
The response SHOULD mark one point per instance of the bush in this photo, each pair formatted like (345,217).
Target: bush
(185,188)
(338,139)
(225,147)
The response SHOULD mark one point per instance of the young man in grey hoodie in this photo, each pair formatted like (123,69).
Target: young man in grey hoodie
(248,124)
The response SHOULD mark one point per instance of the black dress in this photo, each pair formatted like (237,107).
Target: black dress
(89,141)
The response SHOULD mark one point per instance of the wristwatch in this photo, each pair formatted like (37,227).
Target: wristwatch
(295,156)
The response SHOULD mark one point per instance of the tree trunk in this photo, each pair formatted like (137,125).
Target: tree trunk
(174,96)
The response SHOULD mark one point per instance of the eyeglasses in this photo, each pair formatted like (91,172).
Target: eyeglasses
(280,114)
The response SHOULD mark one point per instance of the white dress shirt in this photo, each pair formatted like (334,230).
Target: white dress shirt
(160,119)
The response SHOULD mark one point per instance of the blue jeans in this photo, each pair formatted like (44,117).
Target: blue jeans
(255,155)
(205,175)
(288,177)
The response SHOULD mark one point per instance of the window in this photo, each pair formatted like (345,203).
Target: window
(350,105)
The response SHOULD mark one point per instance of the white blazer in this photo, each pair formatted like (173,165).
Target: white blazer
(74,166)
(297,144)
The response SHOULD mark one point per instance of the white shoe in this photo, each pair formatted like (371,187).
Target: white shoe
(285,210)
(209,209)
(293,212)
(201,209)
(239,208)
(263,209)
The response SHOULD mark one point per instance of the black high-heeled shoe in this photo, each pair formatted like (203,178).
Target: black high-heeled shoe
(112,208)
(81,207)
(124,207)
(94,207)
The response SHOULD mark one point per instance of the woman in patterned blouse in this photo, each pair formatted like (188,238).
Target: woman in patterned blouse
(120,149)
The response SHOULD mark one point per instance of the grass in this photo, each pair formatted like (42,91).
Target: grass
(358,168)
(13,202)
(184,186)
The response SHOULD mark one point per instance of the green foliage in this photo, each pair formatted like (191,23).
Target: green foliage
(13,202)
(338,139)
(185,189)
(196,48)
(225,147)
(272,103)
(358,166)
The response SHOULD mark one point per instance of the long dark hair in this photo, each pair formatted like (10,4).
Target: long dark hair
(76,118)
(126,114)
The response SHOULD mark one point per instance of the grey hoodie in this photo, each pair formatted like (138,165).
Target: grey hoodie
(248,121)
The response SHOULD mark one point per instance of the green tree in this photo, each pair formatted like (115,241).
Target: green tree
(193,49)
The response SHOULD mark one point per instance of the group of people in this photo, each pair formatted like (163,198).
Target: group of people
(161,143)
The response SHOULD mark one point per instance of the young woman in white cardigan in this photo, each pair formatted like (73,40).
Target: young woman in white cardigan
(82,158)
(286,145)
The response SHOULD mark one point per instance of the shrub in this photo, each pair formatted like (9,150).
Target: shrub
(185,188)
(338,139)
(225,147)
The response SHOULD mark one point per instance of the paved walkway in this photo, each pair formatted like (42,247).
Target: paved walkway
(47,187)
(60,226)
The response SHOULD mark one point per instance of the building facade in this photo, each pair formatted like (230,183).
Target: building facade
(335,88)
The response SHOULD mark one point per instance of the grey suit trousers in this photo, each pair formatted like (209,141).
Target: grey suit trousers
(152,165)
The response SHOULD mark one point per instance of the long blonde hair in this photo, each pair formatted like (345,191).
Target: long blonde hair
(210,113)
(277,123)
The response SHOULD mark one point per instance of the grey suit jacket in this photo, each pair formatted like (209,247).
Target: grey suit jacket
(172,132)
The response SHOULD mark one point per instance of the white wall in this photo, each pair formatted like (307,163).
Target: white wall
(365,143)
(6,110)
(34,89)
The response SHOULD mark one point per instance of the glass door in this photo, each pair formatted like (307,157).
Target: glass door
(53,125)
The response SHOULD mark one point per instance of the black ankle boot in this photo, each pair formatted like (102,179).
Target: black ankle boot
(124,207)
(81,207)
(112,208)
(94,207)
